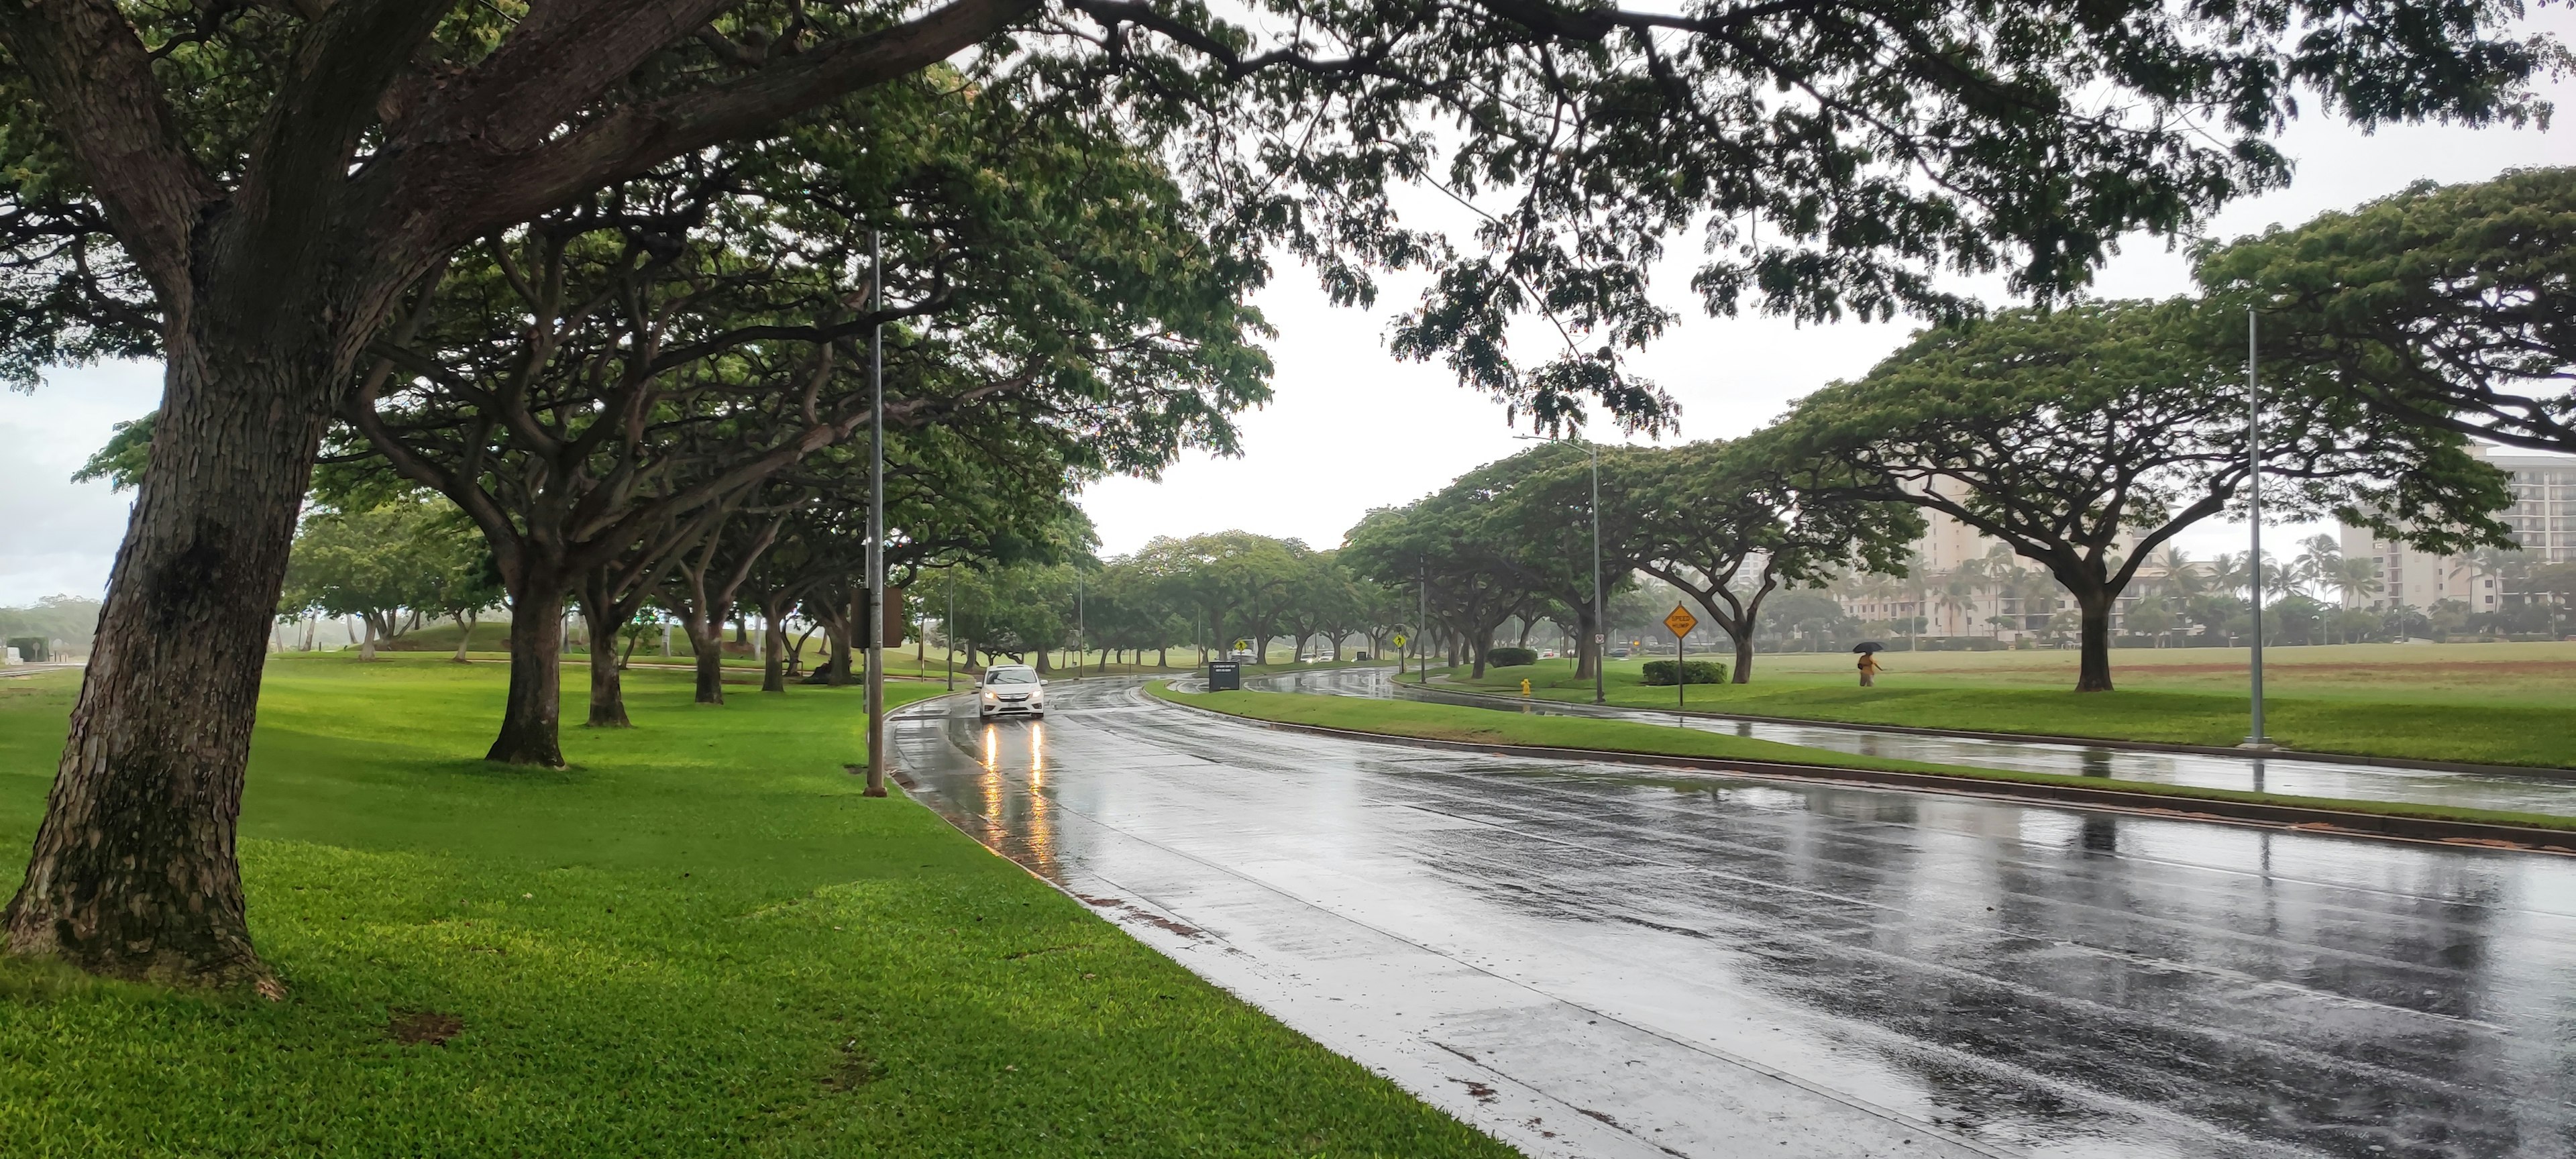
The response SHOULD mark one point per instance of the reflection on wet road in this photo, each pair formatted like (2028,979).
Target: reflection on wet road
(2531,794)
(1587,961)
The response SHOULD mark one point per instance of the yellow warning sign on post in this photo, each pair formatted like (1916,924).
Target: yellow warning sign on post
(1681,621)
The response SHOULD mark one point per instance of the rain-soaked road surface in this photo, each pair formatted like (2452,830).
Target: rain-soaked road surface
(2528,794)
(1584,960)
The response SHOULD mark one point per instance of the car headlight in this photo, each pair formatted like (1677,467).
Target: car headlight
(988,696)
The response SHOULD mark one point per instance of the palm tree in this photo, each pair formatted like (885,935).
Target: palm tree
(2355,578)
(2182,577)
(2321,558)
(1959,588)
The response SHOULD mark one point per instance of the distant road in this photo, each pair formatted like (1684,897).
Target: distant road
(1587,960)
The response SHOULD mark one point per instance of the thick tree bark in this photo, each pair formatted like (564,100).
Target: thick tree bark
(607,689)
(1743,659)
(367,650)
(710,652)
(2093,672)
(133,872)
(530,717)
(465,634)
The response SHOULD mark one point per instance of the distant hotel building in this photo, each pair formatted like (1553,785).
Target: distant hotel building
(2543,518)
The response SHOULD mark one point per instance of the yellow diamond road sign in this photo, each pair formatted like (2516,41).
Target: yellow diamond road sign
(1399,639)
(1681,621)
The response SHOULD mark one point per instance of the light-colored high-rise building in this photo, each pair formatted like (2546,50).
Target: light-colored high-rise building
(2543,518)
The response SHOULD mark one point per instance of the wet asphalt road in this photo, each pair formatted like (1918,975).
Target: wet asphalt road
(2528,794)
(1584,960)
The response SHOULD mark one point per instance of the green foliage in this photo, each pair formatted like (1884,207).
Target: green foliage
(2444,304)
(70,619)
(2086,437)
(701,940)
(1692,672)
(122,460)
(1506,657)
(408,555)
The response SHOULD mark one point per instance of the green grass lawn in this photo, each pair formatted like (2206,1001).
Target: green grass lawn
(2511,709)
(699,940)
(1475,725)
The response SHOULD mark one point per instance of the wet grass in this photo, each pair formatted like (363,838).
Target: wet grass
(1502,726)
(699,940)
(2497,730)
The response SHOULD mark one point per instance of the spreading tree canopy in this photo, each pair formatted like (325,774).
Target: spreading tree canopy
(252,190)
(2451,305)
(2085,438)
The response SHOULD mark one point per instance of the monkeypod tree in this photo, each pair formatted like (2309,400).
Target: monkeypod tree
(1538,509)
(2085,438)
(1441,547)
(2451,305)
(250,191)
(385,561)
(1709,519)
(1229,582)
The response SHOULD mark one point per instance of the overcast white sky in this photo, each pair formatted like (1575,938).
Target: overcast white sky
(1351,428)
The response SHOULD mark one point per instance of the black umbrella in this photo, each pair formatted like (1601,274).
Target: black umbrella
(1869,646)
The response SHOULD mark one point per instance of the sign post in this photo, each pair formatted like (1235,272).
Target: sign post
(1680,622)
(1399,655)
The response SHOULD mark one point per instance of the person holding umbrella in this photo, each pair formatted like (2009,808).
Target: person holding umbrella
(1868,650)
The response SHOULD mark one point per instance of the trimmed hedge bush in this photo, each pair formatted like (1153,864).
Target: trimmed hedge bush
(1510,657)
(1693,672)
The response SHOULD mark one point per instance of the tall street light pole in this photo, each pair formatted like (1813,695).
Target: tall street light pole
(876,523)
(948,631)
(1600,615)
(2254,524)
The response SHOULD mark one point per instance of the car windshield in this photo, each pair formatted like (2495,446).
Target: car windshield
(1011,676)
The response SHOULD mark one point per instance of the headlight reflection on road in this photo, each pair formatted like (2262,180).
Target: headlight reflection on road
(992,749)
(1037,753)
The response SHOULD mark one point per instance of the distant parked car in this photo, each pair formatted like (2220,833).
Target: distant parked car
(1618,653)
(1010,690)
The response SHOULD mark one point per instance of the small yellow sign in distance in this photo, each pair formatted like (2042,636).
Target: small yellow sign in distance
(1681,621)
(1399,639)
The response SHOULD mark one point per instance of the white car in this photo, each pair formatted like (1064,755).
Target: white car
(1010,690)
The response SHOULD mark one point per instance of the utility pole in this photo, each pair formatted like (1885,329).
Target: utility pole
(1081,631)
(948,631)
(876,522)
(1600,618)
(2254,524)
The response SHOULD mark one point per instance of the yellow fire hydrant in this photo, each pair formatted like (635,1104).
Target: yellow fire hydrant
(1524,687)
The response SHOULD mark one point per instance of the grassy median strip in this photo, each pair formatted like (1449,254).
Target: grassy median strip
(2537,735)
(1503,726)
(700,940)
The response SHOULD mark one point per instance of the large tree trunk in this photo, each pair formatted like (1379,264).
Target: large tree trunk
(531,714)
(1743,658)
(773,665)
(1587,654)
(607,689)
(710,650)
(464,634)
(133,872)
(366,651)
(2094,670)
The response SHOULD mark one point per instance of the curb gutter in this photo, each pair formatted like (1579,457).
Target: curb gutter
(2304,819)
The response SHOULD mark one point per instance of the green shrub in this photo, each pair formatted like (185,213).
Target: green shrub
(1510,657)
(1693,672)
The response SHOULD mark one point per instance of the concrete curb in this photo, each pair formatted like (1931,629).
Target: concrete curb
(2304,819)
(2094,742)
